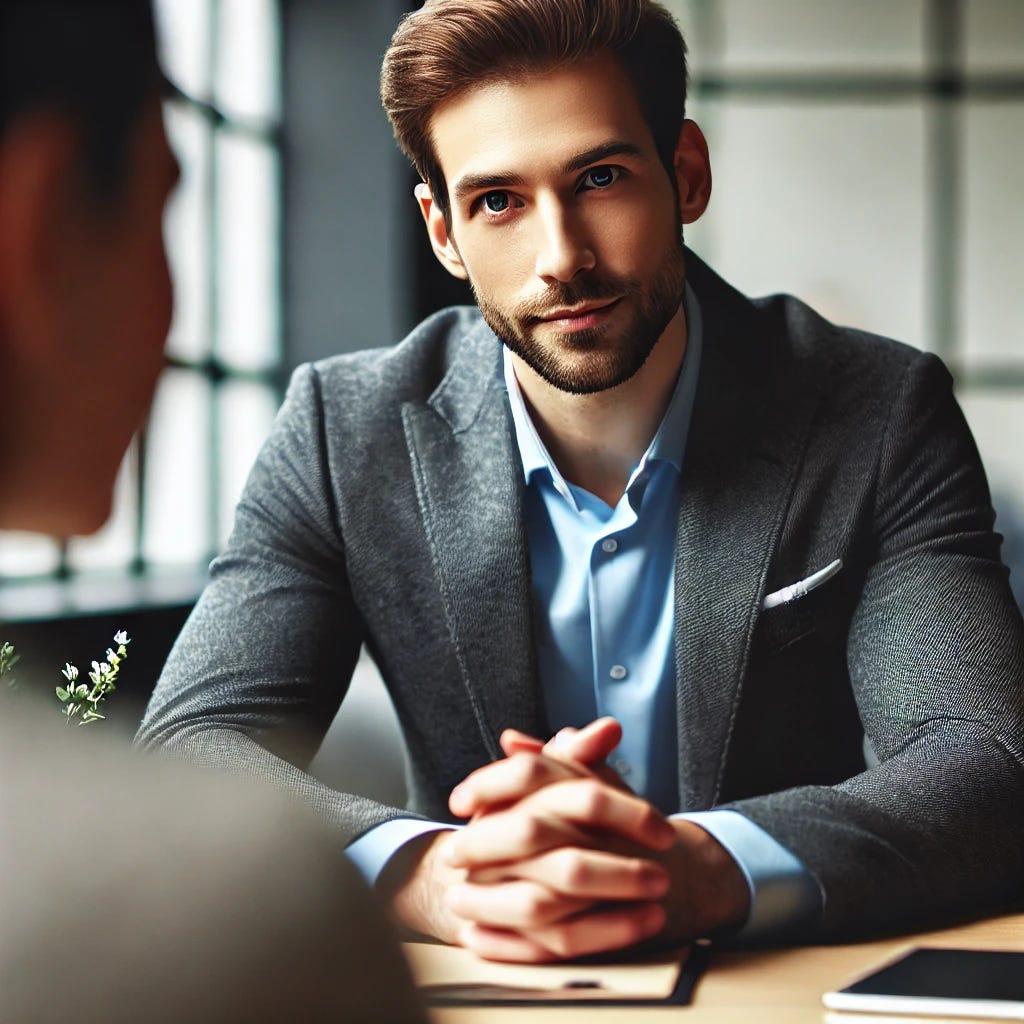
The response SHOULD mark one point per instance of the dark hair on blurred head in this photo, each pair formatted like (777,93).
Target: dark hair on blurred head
(450,46)
(94,60)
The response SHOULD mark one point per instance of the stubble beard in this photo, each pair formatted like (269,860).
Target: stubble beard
(588,361)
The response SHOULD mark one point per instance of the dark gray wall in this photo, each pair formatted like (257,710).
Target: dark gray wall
(348,208)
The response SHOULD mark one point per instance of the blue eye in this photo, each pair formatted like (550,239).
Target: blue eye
(600,177)
(496,202)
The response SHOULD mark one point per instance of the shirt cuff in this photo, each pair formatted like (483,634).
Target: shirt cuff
(371,852)
(783,893)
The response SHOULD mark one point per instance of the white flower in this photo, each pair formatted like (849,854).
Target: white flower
(120,637)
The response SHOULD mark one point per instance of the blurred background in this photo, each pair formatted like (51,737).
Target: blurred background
(867,158)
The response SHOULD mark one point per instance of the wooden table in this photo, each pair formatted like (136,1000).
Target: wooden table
(776,987)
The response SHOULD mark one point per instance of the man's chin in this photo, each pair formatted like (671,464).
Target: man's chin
(81,518)
(587,374)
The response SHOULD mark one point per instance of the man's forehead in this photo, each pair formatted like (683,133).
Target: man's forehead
(547,119)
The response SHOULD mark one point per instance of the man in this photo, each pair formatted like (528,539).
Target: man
(719,540)
(131,889)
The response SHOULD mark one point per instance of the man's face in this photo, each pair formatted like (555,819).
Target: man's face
(564,220)
(92,339)
(130,291)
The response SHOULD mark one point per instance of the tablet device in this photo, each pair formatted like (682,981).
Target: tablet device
(940,982)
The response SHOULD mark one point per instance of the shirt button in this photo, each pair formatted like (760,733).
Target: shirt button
(610,545)
(618,672)
(621,765)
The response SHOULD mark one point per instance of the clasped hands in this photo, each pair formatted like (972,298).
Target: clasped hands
(560,860)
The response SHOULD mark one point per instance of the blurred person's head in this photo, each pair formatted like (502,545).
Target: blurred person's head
(85,294)
(449,47)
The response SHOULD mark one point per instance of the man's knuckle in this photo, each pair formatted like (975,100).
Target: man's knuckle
(528,831)
(529,770)
(636,927)
(639,870)
(562,939)
(593,798)
(538,905)
(648,817)
(571,870)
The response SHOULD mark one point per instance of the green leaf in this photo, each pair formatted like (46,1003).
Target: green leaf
(63,694)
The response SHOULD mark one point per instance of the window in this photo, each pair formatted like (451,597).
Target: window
(865,159)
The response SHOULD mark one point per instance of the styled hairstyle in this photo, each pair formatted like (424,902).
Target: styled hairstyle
(94,60)
(448,46)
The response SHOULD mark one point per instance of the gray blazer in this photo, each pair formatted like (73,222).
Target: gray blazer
(386,508)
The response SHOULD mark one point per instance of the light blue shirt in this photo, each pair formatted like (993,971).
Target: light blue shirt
(604,595)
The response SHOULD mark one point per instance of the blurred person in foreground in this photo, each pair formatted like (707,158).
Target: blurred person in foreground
(618,487)
(131,889)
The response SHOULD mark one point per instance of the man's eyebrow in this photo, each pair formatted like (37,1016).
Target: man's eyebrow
(471,183)
(616,147)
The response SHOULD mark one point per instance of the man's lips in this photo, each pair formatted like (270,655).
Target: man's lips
(580,316)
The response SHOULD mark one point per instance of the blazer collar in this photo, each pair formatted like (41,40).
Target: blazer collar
(469,486)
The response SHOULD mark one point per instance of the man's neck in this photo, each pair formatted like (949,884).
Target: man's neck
(597,440)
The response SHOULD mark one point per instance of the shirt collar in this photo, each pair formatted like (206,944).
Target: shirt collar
(669,441)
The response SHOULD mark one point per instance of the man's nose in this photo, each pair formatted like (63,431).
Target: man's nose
(563,248)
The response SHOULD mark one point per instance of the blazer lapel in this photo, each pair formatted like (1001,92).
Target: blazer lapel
(469,484)
(747,435)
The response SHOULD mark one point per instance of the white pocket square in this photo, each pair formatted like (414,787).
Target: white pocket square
(802,587)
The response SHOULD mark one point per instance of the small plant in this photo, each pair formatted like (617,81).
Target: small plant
(76,696)
(8,659)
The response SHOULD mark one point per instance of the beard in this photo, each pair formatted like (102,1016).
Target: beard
(592,359)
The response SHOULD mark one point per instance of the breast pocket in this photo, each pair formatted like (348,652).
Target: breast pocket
(799,611)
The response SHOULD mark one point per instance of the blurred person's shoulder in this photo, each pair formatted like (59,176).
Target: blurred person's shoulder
(212,897)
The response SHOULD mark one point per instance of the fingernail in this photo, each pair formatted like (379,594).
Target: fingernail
(562,739)
(458,798)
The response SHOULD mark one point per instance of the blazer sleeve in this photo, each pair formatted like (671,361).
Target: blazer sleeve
(263,662)
(935,656)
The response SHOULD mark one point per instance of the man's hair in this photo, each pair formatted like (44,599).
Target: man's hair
(450,46)
(93,60)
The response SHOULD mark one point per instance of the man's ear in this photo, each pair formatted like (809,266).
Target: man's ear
(37,171)
(437,231)
(693,172)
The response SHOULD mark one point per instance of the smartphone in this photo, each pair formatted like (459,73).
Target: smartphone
(940,982)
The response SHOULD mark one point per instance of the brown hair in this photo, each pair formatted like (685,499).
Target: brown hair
(449,46)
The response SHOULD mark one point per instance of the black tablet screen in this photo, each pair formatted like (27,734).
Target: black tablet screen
(949,974)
